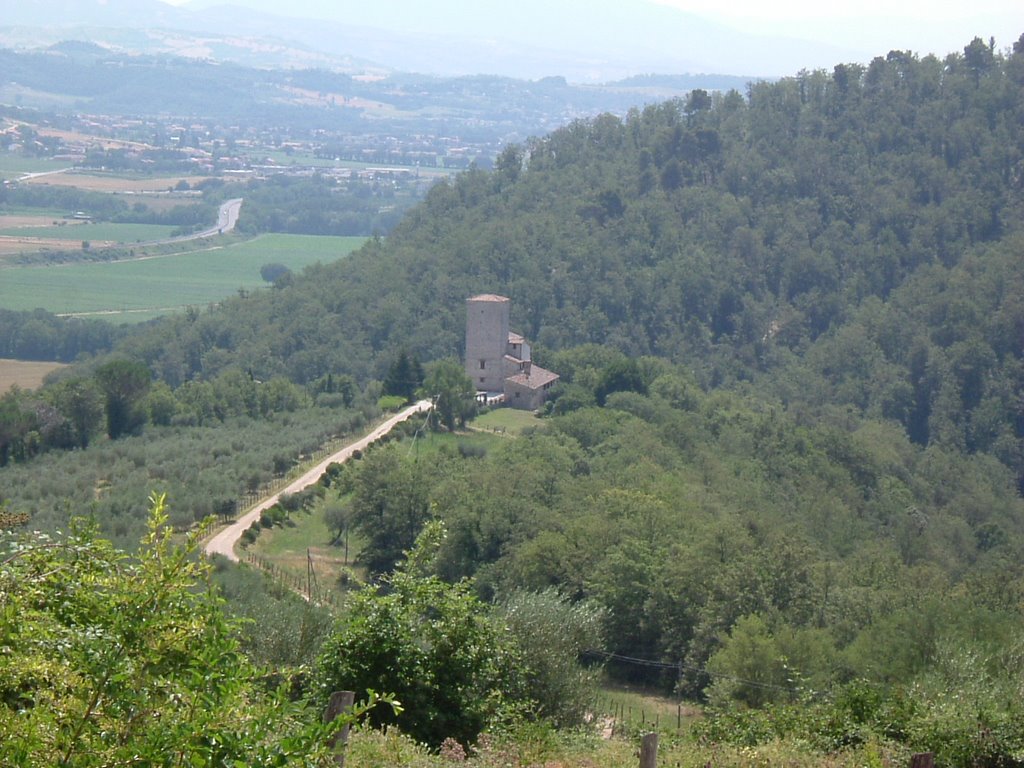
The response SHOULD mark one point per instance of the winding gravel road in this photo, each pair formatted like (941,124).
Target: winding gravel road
(223,543)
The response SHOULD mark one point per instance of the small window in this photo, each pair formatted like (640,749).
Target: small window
(482,364)
(482,379)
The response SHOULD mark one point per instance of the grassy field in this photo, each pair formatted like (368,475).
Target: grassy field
(505,420)
(23,373)
(304,536)
(631,710)
(297,158)
(14,165)
(131,291)
(101,232)
(22,218)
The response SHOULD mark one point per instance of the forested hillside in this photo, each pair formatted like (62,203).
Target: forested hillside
(845,240)
(785,461)
(738,556)
(846,245)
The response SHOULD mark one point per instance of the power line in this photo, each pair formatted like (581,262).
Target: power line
(681,666)
(422,427)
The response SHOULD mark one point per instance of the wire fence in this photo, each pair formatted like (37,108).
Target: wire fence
(624,717)
(303,584)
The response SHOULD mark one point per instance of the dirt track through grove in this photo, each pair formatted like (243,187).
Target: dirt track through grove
(223,543)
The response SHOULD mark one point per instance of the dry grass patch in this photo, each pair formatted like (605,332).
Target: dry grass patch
(303,537)
(13,245)
(78,137)
(103,183)
(14,220)
(24,373)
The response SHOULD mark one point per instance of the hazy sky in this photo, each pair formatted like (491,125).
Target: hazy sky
(851,31)
(875,25)
(878,25)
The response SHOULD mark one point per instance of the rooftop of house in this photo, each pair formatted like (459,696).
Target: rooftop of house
(488,297)
(515,338)
(535,379)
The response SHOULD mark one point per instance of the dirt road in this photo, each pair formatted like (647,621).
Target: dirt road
(224,542)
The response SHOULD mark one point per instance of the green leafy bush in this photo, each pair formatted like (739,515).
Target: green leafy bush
(455,670)
(552,633)
(111,660)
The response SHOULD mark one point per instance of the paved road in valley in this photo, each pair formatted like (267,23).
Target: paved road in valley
(40,174)
(227,217)
(224,542)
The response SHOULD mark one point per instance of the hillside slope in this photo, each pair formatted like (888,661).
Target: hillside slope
(846,240)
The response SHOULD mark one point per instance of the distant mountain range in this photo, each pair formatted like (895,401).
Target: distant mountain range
(581,40)
(486,110)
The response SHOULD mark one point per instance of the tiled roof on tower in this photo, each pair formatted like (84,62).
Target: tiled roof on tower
(488,297)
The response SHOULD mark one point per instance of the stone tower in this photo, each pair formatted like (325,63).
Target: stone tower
(487,320)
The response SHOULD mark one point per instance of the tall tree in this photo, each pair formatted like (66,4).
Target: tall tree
(434,645)
(389,507)
(404,376)
(80,402)
(123,383)
(452,391)
(15,423)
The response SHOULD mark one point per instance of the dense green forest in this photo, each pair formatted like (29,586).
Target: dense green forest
(40,335)
(322,206)
(844,241)
(786,458)
(738,556)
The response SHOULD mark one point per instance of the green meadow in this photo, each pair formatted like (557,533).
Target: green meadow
(14,165)
(118,233)
(505,421)
(142,288)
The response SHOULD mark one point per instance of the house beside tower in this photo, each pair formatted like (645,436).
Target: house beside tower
(497,360)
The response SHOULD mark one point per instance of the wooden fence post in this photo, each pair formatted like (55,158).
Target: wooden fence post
(340,702)
(649,750)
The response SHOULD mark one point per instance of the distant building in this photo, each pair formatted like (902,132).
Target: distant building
(497,360)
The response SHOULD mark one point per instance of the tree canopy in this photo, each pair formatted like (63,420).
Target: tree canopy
(843,238)
(116,660)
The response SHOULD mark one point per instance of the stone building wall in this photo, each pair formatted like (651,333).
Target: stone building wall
(487,323)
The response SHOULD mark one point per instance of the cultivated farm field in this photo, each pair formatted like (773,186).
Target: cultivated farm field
(99,232)
(27,220)
(13,166)
(142,288)
(124,184)
(24,373)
